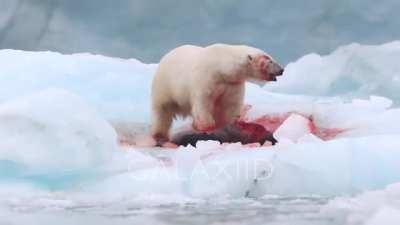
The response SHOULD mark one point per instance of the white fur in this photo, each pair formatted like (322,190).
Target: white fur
(205,83)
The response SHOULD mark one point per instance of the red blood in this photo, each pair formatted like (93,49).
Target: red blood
(254,131)
(328,133)
(324,133)
(311,125)
(243,113)
(263,66)
(169,145)
(253,145)
(203,128)
(266,57)
(271,123)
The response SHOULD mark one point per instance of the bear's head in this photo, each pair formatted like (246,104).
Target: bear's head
(264,67)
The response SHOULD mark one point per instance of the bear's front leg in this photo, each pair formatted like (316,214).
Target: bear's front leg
(203,119)
(232,104)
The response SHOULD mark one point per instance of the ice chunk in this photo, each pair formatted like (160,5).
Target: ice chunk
(293,128)
(230,174)
(54,129)
(370,208)
(119,89)
(331,117)
(387,216)
(350,71)
(309,138)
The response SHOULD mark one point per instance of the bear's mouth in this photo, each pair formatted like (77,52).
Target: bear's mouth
(271,78)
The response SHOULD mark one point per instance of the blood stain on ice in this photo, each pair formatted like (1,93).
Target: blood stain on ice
(253,133)
(249,132)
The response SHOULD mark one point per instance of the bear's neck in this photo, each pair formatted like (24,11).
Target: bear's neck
(239,82)
(234,74)
(237,76)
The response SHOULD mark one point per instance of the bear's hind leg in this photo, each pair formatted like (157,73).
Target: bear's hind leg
(162,120)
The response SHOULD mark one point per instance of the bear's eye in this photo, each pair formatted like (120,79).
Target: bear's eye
(249,57)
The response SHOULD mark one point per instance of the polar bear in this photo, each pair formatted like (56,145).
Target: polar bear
(206,83)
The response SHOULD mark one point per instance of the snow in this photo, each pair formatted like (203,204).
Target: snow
(370,208)
(66,122)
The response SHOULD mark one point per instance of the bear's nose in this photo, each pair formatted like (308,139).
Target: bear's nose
(280,72)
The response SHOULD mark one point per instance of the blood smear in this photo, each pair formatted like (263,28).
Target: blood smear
(272,122)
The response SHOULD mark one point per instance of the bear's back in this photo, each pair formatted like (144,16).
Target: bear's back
(181,55)
(173,82)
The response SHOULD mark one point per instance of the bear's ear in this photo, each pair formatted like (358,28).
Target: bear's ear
(249,57)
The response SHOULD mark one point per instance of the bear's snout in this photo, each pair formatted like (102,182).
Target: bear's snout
(276,69)
(280,72)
